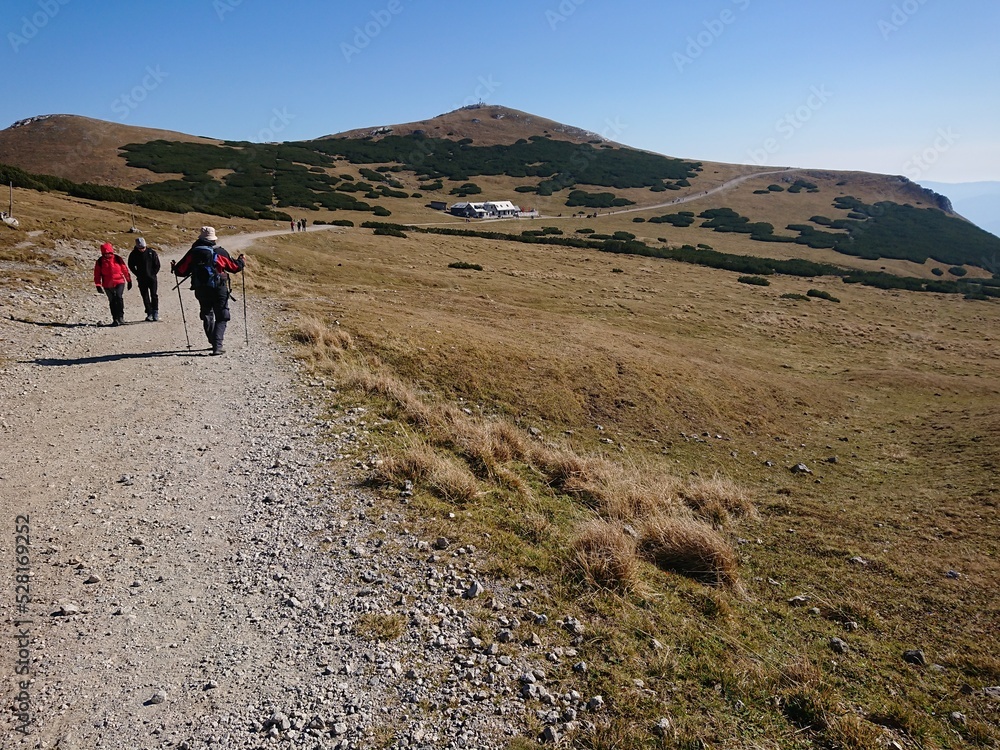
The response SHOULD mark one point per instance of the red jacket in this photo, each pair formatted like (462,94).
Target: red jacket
(110,270)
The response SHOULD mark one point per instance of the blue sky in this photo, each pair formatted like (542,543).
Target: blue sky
(895,86)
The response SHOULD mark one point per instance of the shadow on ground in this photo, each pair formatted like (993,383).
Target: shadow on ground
(56,324)
(50,362)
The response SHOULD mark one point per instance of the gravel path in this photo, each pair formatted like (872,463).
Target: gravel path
(206,570)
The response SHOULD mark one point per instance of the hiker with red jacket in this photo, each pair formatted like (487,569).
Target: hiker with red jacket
(207,263)
(110,276)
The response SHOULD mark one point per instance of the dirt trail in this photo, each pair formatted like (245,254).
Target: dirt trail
(195,538)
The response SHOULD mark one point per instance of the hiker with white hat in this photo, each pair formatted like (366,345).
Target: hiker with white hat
(144,262)
(208,265)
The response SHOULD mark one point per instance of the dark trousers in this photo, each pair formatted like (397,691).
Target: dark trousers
(116,299)
(214,313)
(150,300)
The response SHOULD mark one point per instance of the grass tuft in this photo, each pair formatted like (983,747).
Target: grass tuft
(689,547)
(606,556)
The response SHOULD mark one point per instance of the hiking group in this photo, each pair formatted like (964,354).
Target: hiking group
(207,264)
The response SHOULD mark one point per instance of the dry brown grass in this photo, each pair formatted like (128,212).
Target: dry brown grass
(378,626)
(605,555)
(421,464)
(689,547)
(718,499)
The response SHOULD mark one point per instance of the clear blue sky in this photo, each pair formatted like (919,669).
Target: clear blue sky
(895,86)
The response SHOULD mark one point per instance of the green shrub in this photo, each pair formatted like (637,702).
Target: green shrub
(623,236)
(466,266)
(432,186)
(937,272)
(617,270)
(596,200)
(638,220)
(468,188)
(957,271)
(379,211)
(585,230)
(389,232)
(822,295)
(754,280)
(794,296)
(775,188)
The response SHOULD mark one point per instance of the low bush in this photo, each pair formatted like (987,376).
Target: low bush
(754,280)
(380,211)
(822,295)
(387,232)
(796,297)
(937,272)
(957,271)
(638,220)
(775,188)
(461,264)
(585,230)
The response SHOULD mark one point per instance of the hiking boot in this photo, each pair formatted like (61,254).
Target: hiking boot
(114,322)
(156,315)
(149,317)
(217,350)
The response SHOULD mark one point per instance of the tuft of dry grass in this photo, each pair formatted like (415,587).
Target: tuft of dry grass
(606,556)
(421,464)
(379,626)
(718,499)
(689,547)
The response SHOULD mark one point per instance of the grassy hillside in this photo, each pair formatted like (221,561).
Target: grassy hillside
(620,430)
(579,181)
(702,392)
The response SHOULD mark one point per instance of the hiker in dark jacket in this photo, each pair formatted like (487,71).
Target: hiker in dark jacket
(145,264)
(207,263)
(110,277)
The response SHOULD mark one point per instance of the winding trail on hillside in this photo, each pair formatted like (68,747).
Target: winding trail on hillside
(203,554)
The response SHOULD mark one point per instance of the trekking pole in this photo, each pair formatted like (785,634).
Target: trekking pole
(246,331)
(180,299)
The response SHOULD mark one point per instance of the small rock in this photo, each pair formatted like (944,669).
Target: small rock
(596,703)
(857,560)
(475,590)
(800,469)
(838,645)
(662,727)
(798,601)
(551,736)
(93,579)
(915,656)
(581,667)
(953,574)
(158,697)
(441,543)
(957,718)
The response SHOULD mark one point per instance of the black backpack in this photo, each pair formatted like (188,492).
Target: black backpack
(204,274)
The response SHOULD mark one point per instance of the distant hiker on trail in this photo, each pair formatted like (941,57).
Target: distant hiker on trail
(110,276)
(207,263)
(145,264)
(292,225)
